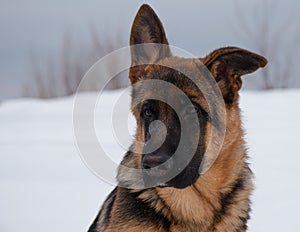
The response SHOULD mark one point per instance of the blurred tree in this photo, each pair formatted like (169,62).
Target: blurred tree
(60,75)
(273,32)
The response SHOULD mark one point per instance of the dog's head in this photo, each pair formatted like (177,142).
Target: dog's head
(173,123)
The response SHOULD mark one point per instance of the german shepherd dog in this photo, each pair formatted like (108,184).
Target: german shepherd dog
(214,200)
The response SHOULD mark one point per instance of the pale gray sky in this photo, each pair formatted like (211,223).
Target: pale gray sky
(38,26)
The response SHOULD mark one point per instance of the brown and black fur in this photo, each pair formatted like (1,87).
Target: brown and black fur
(217,200)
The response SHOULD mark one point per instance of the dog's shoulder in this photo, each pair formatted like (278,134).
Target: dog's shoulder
(103,218)
(125,209)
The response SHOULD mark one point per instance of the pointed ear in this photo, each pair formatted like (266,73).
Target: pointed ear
(227,65)
(147,33)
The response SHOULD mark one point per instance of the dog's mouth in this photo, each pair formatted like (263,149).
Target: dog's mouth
(154,181)
(155,172)
(170,177)
(156,169)
(156,176)
(165,175)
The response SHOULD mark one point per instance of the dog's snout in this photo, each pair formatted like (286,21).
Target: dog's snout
(162,162)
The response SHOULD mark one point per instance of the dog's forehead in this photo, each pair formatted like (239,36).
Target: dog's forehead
(177,70)
(171,77)
(181,72)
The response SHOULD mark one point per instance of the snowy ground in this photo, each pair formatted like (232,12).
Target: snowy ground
(44,185)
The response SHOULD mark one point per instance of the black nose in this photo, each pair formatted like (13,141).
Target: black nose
(162,162)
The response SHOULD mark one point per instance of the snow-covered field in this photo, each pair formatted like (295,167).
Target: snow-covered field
(44,185)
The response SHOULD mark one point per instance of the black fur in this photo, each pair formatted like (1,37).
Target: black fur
(105,212)
(143,212)
(227,200)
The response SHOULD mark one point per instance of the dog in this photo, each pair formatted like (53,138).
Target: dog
(214,200)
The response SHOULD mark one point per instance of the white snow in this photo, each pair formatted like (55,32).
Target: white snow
(44,185)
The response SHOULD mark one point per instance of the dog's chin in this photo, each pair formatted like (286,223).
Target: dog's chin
(162,185)
(178,184)
(183,180)
(174,185)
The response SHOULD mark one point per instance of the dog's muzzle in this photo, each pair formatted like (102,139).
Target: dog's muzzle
(156,165)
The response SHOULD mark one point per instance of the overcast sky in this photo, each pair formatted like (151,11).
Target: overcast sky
(37,27)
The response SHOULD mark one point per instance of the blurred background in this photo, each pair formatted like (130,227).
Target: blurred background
(46,47)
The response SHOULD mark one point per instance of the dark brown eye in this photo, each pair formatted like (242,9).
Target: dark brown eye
(191,109)
(147,113)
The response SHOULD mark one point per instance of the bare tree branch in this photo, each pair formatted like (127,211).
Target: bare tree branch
(60,76)
(275,39)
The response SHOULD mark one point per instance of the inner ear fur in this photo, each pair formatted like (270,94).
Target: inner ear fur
(148,33)
(227,65)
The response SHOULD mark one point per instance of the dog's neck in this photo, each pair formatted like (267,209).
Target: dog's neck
(218,201)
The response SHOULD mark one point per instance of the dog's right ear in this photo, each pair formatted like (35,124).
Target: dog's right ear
(148,42)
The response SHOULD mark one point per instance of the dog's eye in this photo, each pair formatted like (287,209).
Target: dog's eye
(191,109)
(147,113)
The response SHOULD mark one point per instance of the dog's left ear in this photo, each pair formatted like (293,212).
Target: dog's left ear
(148,42)
(227,65)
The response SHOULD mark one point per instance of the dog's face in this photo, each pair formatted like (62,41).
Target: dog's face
(168,116)
(177,123)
